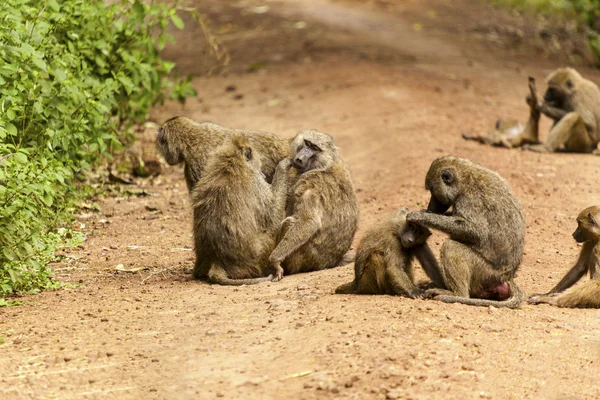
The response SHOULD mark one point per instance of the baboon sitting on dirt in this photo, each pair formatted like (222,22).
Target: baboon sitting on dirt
(384,257)
(322,208)
(237,215)
(586,295)
(486,228)
(182,139)
(573,102)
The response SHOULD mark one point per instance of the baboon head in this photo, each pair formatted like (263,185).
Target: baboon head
(561,83)
(313,150)
(234,155)
(587,225)
(411,235)
(168,140)
(494,289)
(444,181)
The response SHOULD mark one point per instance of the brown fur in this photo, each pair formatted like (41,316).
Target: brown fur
(573,102)
(486,228)
(587,294)
(237,215)
(512,133)
(183,140)
(322,208)
(384,259)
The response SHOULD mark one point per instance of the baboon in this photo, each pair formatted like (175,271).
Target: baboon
(586,295)
(384,257)
(486,229)
(512,133)
(573,102)
(322,208)
(237,215)
(181,139)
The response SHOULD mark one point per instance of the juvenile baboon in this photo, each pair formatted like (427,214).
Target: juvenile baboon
(384,257)
(237,215)
(586,295)
(321,210)
(181,139)
(512,133)
(573,102)
(486,229)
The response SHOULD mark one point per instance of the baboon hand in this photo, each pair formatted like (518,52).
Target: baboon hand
(415,217)
(285,164)
(416,294)
(277,274)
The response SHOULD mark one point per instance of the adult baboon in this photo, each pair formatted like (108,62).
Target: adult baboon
(573,102)
(322,208)
(384,257)
(586,295)
(237,215)
(181,139)
(512,133)
(486,229)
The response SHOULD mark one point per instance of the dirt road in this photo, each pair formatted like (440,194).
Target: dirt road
(395,82)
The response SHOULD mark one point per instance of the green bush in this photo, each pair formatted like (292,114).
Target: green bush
(586,12)
(72,73)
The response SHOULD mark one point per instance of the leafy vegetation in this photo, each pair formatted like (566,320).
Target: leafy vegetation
(73,73)
(586,12)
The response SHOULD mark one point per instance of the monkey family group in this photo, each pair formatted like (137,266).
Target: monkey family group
(265,206)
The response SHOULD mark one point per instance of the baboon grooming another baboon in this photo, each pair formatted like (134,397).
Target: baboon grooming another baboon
(181,139)
(486,228)
(237,215)
(573,102)
(321,210)
(384,257)
(511,133)
(586,295)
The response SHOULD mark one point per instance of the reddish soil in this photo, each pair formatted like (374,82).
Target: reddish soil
(395,82)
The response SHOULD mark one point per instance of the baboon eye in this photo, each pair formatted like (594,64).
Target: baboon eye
(447,177)
(248,154)
(569,84)
(311,146)
(591,219)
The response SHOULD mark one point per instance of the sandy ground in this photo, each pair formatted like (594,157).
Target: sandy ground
(395,82)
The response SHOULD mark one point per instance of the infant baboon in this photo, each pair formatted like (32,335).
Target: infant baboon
(512,133)
(573,102)
(237,215)
(384,257)
(182,139)
(586,295)
(486,228)
(321,210)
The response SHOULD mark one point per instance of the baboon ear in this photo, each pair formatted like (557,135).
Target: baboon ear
(447,176)
(248,153)
(591,219)
(569,84)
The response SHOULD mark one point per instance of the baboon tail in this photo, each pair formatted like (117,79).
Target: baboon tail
(346,288)
(477,138)
(585,295)
(514,301)
(218,275)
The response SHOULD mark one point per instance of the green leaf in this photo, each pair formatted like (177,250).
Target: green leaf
(20,158)
(177,21)
(138,8)
(9,254)
(127,83)
(11,129)
(48,199)
(60,74)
